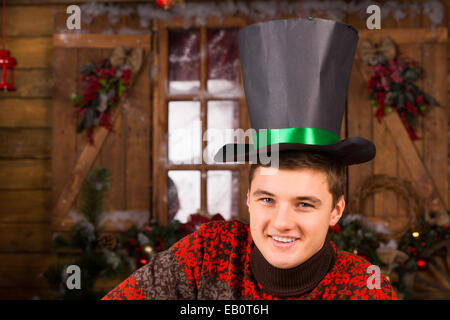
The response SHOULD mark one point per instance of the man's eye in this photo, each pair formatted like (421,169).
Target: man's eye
(306,205)
(266,200)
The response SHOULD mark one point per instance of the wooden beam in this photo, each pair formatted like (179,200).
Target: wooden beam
(406,35)
(101,41)
(160,125)
(418,172)
(72,187)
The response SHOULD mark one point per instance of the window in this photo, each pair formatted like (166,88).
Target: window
(198,102)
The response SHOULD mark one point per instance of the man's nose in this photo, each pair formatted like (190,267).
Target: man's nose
(283,219)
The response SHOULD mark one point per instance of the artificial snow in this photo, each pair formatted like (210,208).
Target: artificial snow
(259,10)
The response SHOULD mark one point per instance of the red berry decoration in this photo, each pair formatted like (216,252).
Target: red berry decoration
(336,228)
(422,264)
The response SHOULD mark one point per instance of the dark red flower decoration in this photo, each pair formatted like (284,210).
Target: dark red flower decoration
(336,228)
(196,220)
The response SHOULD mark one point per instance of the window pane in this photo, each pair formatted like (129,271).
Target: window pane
(184,61)
(223,62)
(223,118)
(185,186)
(185,132)
(223,193)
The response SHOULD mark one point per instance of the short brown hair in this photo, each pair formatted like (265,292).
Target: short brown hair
(332,167)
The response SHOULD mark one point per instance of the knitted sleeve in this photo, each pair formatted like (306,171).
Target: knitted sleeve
(164,277)
(356,280)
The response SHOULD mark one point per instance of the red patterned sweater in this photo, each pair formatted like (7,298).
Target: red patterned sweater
(214,263)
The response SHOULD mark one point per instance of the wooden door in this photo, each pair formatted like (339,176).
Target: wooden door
(125,151)
(422,162)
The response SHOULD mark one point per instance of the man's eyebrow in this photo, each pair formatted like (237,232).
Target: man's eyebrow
(260,192)
(312,199)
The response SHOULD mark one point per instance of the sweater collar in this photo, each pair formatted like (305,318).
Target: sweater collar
(295,281)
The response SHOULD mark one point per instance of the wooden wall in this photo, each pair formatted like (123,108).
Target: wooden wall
(431,148)
(25,149)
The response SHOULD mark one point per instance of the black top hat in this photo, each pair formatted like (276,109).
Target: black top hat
(296,74)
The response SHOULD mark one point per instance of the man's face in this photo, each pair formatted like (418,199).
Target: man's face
(290,213)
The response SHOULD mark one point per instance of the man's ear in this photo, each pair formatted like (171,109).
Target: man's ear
(338,210)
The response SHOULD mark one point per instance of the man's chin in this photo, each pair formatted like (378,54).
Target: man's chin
(277,263)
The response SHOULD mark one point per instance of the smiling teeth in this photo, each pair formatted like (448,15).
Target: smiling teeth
(284,239)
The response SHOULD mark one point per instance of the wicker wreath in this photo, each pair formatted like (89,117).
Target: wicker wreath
(400,187)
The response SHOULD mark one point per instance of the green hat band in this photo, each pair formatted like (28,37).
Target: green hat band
(314,136)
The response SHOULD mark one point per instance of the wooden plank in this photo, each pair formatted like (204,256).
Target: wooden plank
(25,143)
(413,51)
(227,21)
(24,269)
(24,174)
(100,24)
(25,260)
(136,116)
(359,123)
(29,113)
(71,186)
(25,237)
(23,206)
(35,20)
(244,123)
(32,52)
(112,159)
(63,133)
(435,142)
(422,179)
(24,293)
(160,125)
(406,35)
(21,277)
(385,203)
(32,83)
(100,41)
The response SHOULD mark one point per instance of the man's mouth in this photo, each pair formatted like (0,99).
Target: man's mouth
(283,239)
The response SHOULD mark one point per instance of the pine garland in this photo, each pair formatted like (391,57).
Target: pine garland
(84,247)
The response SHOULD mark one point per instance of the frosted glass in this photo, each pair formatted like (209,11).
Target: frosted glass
(184,61)
(185,132)
(223,63)
(187,187)
(223,193)
(223,119)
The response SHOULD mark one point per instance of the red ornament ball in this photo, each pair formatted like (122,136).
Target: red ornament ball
(422,264)
(143,261)
(165,4)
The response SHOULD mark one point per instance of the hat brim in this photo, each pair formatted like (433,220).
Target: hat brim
(353,150)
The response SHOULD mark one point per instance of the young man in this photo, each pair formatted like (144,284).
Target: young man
(296,74)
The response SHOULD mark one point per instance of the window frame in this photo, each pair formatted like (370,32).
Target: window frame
(161,99)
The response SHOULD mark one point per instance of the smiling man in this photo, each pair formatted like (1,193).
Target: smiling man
(291,210)
(296,73)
